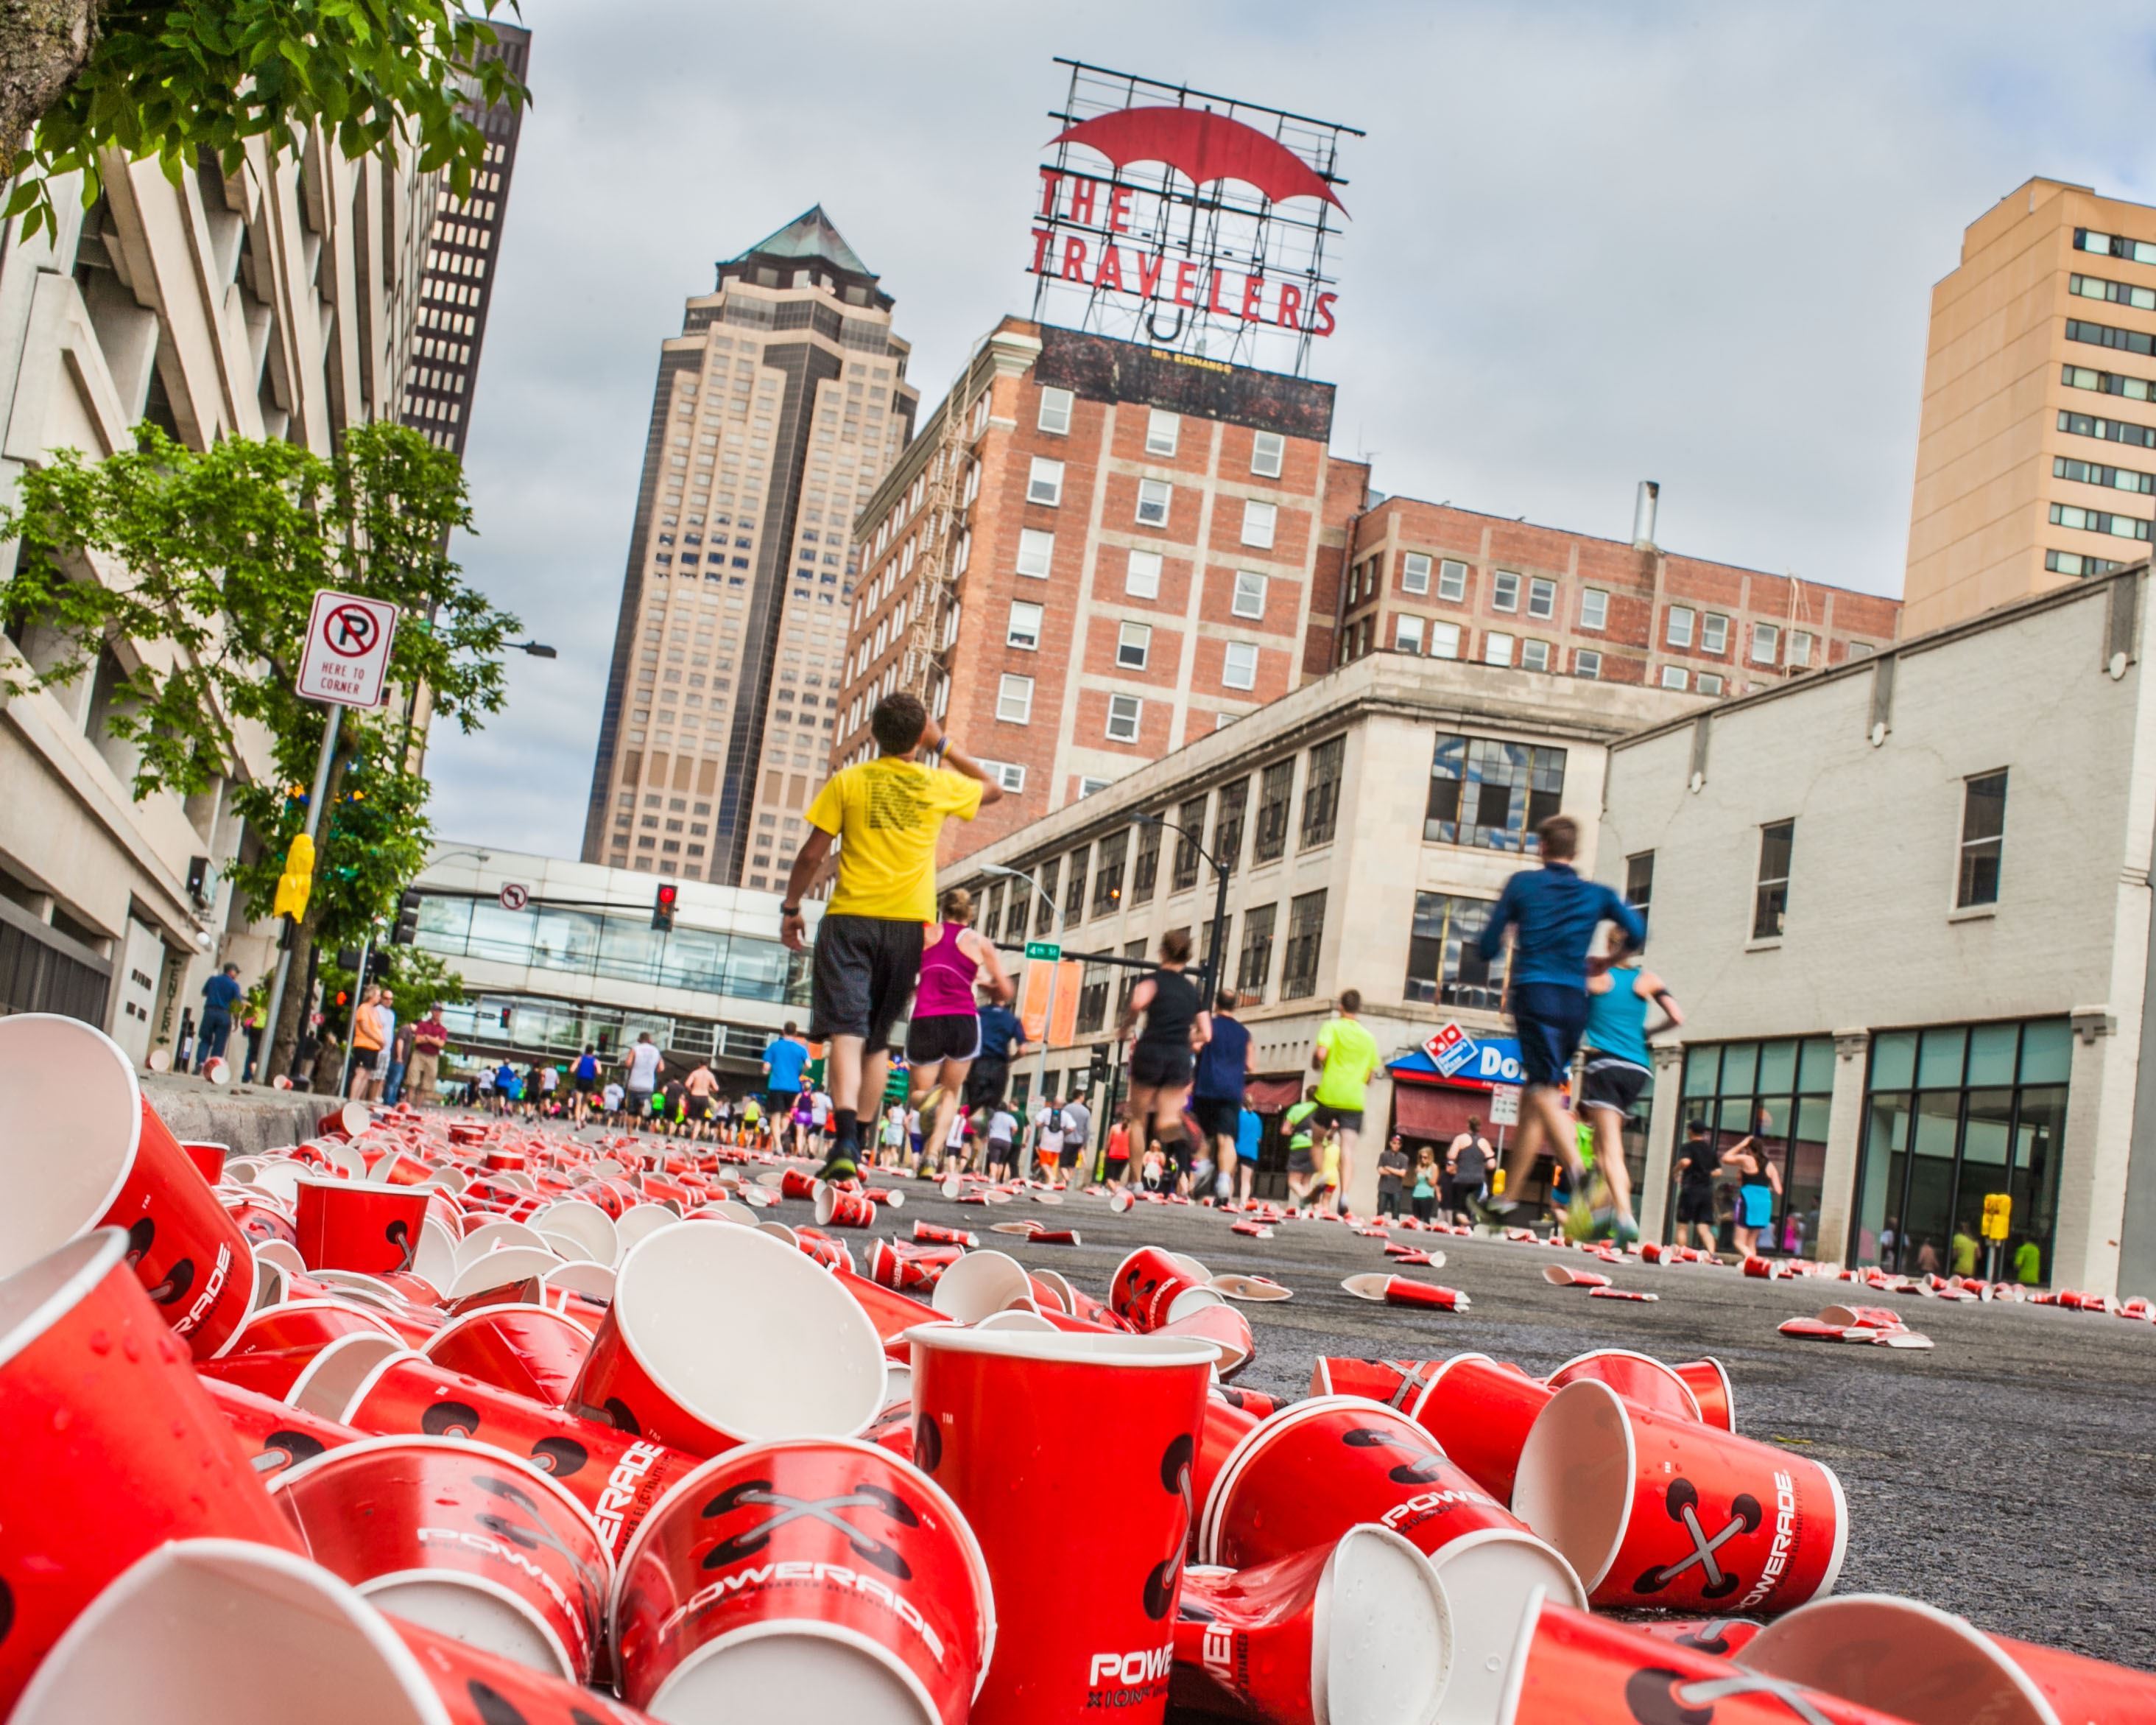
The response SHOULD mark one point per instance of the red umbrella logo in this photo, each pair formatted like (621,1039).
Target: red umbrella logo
(1203,147)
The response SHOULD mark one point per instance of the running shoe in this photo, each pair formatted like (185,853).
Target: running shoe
(1497,1213)
(839,1169)
(1625,1231)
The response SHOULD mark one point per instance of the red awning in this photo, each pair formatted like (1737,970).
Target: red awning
(1270,1095)
(1435,1113)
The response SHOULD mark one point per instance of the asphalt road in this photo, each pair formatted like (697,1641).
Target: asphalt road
(2009,1474)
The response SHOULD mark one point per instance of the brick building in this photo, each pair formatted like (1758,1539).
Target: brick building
(1094,553)
(1448,583)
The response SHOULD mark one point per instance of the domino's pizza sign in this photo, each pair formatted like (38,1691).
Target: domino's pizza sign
(1469,1060)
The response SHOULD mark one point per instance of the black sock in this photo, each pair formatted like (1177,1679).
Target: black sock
(846,1123)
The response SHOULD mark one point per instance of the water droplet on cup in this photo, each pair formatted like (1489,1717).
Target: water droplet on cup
(99,1342)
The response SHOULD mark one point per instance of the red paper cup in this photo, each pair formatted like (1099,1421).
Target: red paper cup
(208,1158)
(1400,1290)
(529,1350)
(982,1284)
(1223,1428)
(275,1434)
(892,1313)
(930,1233)
(1718,1637)
(838,1208)
(1866,1318)
(1569,1668)
(615,1476)
(1086,1562)
(818,1579)
(1642,1381)
(720,1336)
(1659,1511)
(88,1151)
(1357,1632)
(1224,1328)
(113,1443)
(1307,1474)
(1481,1414)
(1930,1667)
(1255,1402)
(247,1635)
(1709,1382)
(797,1183)
(1563,1275)
(1395,1382)
(1147,1286)
(463,1538)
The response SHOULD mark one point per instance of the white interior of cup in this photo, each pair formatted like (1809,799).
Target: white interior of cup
(584,1223)
(1370,1285)
(75,1113)
(1016,1319)
(980,1284)
(470,1609)
(1494,1579)
(1192,1301)
(1576,1476)
(780,1231)
(1899,1657)
(597,1281)
(497,1270)
(493,1236)
(640,1221)
(1381,1638)
(436,1258)
(36,1297)
(565,1247)
(282,1254)
(748,1335)
(781,1672)
(326,1387)
(1054,1281)
(240,1633)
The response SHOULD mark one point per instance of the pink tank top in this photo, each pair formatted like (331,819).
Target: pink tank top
(946,977)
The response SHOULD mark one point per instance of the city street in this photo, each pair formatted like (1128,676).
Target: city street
(2005,1475)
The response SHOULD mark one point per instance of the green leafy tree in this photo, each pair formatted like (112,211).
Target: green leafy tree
(224,551)
(170,78)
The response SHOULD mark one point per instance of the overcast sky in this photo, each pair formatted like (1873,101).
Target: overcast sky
(1591,244)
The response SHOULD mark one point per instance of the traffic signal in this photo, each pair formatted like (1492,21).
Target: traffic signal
(378,966)
(1099,1074)
(347,957)
(662,904)
(408,919)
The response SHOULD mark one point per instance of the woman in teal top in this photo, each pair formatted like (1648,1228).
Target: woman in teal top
(1619,989)
(1423,1197)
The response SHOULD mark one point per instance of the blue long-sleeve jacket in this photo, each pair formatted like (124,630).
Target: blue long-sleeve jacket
(1556,914)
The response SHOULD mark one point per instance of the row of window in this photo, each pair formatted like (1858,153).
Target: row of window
(2116,293)
(2121,479)
(2107,383)
(2114,245)
(1437,638)
(2099,521)
(2111,430)
(1163,433)
(2073,562)
(1238,670)
(2108,335)
(1156,503)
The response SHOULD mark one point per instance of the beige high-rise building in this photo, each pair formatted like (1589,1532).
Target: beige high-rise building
(779,408)
(2037,458)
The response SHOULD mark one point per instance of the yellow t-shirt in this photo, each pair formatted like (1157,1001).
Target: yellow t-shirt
(885,814)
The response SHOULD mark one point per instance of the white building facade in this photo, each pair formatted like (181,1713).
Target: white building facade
(1904,904)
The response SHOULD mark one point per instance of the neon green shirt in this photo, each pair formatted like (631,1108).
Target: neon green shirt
(1296,1120)
(1351,1056)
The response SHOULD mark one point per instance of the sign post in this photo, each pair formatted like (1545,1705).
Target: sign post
(1504,1105)
(514,895)
(345,663)
(1044,949)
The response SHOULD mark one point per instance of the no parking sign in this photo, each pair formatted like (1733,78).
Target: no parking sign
(347,656)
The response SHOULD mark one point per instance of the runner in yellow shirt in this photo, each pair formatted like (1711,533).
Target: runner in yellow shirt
(1344,1058)
(885,814)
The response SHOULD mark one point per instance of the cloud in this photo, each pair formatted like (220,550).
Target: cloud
(1591,243)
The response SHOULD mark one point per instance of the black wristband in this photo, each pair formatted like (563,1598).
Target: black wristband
(789,910)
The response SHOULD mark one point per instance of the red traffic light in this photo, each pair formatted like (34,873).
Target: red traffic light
(662,905)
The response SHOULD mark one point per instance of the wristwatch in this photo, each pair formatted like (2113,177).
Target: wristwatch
(789,910)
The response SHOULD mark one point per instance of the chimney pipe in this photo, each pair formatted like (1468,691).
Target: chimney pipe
(1643,515)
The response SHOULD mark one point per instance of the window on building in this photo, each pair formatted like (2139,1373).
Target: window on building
(1320,792)
(1800,649)
(1074,884)
(1640,880)
(1496,649)
(1586,663)
(1124,714)
(1505,591)
(1044,482)
(1156,497)
(1238,666)
(1674,676)
(1145,861)
(1055,411)
(1444,640)
(1306,930)
(1444,967)
(2098,521)
(1766,643)
(1778,1094)
(1276,795)
(1710,682)
(1191,818)
(1452,579)
(1490,794)
(1133,646)
(1249,594)
(1163,430)
(1141,575)
(2113,245)
(2059,563)
(1414,572)
(1535,655)
(1953,1114)
(1092,999)
(1043,904)
(1036,552)
(1678,631)
(1407,634)
(2087,425)
(1983,837)
(1542,598)
(1268,454)
(1014,700)
(1024,630)
(1011,778)
(1593,609)
(1714,633)
(2117,479)
(1260,522)
(1770,898)
(1228,822)
(1254,969)
(1089,787)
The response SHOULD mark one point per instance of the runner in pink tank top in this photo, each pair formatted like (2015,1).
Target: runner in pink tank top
(945,1034)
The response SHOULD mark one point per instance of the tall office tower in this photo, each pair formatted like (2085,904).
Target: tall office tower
(2037,453)
(1095,553)
(460,269)
(779,408)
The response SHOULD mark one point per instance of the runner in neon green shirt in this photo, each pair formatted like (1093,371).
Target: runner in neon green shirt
(1345,1058)
(1301,1165)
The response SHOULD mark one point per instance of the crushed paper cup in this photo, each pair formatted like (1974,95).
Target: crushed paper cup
(1656,1510)
(1620,1294)
(1261,1289)
(529,1350)
(1222,1325)
(1399,1290)
(1563,1275)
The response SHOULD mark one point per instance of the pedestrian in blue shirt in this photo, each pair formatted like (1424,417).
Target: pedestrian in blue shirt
(1553,915)
(1250,1132)
(220,994)
(785,1059)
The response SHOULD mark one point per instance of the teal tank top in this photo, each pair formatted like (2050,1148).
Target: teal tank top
(1617,1021)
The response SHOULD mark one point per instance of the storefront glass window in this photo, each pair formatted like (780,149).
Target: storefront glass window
(1776,1093)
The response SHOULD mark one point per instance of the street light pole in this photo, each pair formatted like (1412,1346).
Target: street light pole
(1211,971)
(1048,1021)
(330,728)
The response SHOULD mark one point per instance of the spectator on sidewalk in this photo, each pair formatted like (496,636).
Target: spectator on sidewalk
(220,994)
